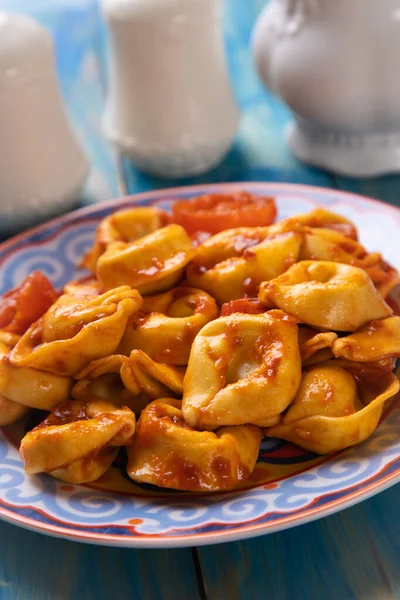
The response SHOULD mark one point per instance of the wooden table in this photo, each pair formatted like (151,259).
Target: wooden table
(353,555)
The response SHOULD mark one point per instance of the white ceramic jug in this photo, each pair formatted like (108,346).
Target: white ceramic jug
(41,164)
(170,106)
(335,63)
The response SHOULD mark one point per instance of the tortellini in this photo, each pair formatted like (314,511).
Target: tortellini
(133,381)
(328,245)
(168,324)
(242,369)
(315,346)
(330,237)
(209,341)
(78,442)
(233,263)
(166,452)
(327,295)
(126,225)
(317,219)
(329,413)
(375,341)
(22,388)
(152,264)
(9,339)
(75,331)
(11,411)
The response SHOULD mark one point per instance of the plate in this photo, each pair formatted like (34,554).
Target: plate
(288,487)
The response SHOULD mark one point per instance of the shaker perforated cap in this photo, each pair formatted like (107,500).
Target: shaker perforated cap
(26,48)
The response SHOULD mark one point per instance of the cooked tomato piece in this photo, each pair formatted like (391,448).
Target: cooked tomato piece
(213,213)
(25,304)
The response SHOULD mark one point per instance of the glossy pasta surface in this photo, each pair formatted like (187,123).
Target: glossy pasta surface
(185,347)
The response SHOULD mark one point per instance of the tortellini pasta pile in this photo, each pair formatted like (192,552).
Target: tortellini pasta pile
(187,354)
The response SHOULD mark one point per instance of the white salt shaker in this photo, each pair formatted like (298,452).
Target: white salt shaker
(41,164)
(170,106)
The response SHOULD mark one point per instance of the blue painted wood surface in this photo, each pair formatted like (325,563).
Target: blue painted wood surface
(353,555)
(36,567)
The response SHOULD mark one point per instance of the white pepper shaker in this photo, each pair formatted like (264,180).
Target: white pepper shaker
(170,108)
(41,164)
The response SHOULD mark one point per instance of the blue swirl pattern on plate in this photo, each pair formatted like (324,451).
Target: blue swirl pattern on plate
(82,513)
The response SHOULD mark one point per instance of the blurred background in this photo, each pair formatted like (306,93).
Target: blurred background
(80,40)
(260,151)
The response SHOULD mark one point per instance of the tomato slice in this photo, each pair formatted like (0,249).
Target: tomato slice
(249,306)
(216,212)
(25,304)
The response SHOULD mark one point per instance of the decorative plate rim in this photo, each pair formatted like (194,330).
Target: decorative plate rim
(376,483)
(200,539)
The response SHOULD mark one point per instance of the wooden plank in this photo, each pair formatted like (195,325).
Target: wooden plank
(352,555)
(37,567)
